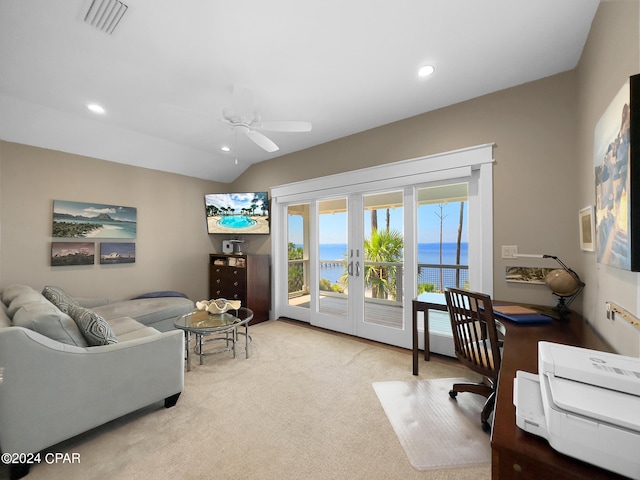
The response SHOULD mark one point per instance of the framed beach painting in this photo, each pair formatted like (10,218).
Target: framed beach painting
(617,178)
(65,254)
(93,220)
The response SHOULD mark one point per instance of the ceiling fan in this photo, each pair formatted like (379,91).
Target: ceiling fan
(244,120)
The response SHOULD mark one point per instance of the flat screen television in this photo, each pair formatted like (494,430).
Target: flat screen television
(237,213)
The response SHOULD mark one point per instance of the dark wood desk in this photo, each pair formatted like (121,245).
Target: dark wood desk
(515,453)
(424,303)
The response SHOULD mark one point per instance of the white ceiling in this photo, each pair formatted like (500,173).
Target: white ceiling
(168,70)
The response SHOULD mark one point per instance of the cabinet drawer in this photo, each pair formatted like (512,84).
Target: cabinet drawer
(229,293)
(227,272)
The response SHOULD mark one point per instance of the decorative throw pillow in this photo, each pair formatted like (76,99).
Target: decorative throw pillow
(59,298)
(95,329)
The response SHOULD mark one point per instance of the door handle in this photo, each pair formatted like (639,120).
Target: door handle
(350,268)
(357,269)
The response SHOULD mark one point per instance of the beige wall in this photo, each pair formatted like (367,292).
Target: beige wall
(533,126)
(609,58)
(171,245)
(544,164)
(543,175)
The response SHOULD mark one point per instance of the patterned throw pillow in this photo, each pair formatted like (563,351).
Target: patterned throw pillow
(95,329)
(59,298)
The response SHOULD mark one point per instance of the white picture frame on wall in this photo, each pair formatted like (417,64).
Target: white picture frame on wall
(586,223)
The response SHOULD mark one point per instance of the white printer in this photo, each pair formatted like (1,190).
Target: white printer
(586,404)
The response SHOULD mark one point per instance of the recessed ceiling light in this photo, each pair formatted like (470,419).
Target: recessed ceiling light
(95,108)
(426,71)
(224,148)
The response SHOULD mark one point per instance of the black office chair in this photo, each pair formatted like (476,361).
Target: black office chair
(476,343)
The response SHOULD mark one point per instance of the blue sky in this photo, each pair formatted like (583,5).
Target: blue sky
(333,227)
(127,214)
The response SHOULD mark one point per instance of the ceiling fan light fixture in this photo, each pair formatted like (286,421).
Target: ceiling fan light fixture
(426,70)
(225,148)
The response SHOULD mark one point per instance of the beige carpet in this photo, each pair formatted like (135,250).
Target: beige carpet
(435,430)
(301,407)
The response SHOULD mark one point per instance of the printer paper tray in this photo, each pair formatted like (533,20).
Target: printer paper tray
(603,445)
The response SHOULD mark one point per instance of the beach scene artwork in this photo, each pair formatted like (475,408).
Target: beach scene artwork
(527,274)
(93,220)
(614,173)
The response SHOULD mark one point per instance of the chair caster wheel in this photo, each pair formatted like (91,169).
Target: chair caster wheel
(453,393)
(486,427)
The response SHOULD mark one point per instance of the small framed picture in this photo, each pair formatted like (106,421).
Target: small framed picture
(587,229)
(64,254)
(122,252)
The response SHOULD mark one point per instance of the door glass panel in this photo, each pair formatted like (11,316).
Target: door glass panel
(298,254)
(383,255)
(333,231)
(442,245)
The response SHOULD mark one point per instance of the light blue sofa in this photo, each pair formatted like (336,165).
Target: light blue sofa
(65,369)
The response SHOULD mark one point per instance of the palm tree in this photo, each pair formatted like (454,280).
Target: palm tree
(383,246)
(442,217)
(458,244)
(296,273)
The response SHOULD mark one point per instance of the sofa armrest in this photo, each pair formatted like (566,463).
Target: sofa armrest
(50,391)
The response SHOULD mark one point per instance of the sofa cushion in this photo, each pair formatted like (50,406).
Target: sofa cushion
(161,293)
(95,329)
(23,299)
(140,333)
(123,325)
(5,320)
(59,298)
(12,291)
(147,310)
(43,317)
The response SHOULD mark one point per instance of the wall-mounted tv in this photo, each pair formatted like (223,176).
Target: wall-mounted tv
(237,213)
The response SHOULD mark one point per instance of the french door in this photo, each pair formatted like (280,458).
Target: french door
(345,248)
(345,269)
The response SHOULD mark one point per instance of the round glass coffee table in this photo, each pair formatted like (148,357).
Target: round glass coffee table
(202,323)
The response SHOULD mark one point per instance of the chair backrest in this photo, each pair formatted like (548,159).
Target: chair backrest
(474,329)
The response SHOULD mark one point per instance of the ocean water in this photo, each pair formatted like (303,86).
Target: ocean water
(427,253)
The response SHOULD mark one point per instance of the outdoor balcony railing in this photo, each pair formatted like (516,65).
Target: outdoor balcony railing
(431,277)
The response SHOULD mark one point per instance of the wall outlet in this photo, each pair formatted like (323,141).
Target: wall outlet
(509,251)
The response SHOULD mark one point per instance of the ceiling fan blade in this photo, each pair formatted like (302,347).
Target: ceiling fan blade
(284,126)
(262,141)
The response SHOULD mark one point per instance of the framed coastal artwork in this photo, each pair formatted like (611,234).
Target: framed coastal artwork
(587,224)
(93,220)
(66,254)
(112,253)
(531,275)
(617,178)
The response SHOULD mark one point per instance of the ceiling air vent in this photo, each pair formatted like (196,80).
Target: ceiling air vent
(105,14)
